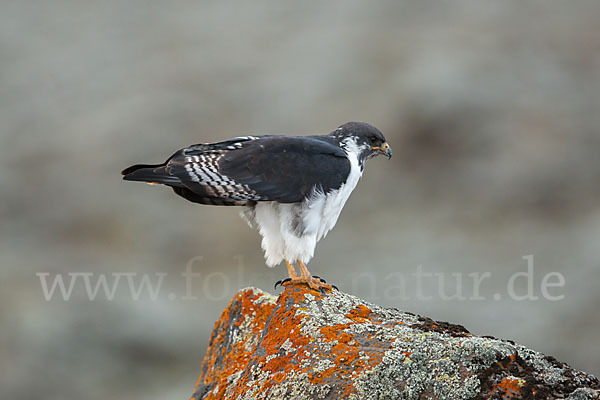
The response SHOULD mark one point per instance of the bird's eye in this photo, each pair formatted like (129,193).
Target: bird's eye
(373,139)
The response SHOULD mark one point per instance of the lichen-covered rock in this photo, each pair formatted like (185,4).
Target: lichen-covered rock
(308,345)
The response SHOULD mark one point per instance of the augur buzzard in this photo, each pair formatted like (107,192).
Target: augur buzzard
(292,188)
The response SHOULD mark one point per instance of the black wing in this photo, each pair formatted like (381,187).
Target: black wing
(249,169)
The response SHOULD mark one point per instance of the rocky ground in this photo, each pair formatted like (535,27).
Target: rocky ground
(310,345)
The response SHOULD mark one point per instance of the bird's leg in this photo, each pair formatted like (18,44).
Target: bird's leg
(291,272)
(304,272)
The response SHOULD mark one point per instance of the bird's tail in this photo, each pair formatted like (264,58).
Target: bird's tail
(150,174)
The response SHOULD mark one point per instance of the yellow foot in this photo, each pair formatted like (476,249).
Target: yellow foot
(313,283)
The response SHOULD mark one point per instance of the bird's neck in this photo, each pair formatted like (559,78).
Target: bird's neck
(350,146)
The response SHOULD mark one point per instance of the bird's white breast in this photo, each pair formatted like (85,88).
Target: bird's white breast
(327,208)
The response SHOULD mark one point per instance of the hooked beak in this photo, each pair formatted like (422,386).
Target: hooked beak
(385,149)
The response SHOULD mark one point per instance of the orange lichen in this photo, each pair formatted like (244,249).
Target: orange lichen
(348,356)
(333,332)
(280,346)
(508,386)
(359,314)
(221,362)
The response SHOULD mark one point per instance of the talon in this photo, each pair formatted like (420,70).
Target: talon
(319,278)
(335,287)
(281,282)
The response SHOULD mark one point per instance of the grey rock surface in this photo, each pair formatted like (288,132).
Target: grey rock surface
(309,345)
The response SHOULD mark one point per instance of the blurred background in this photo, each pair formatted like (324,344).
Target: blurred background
(492,110)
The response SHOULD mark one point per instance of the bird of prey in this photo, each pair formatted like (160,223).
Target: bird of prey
(292,188)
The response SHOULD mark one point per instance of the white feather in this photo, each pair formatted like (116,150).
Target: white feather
(266,216)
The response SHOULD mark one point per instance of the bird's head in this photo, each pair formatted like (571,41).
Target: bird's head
(363,139)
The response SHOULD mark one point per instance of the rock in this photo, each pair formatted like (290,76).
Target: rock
(308,345)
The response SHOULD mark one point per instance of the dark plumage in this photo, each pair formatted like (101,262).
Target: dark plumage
(256,168)
(293,187)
